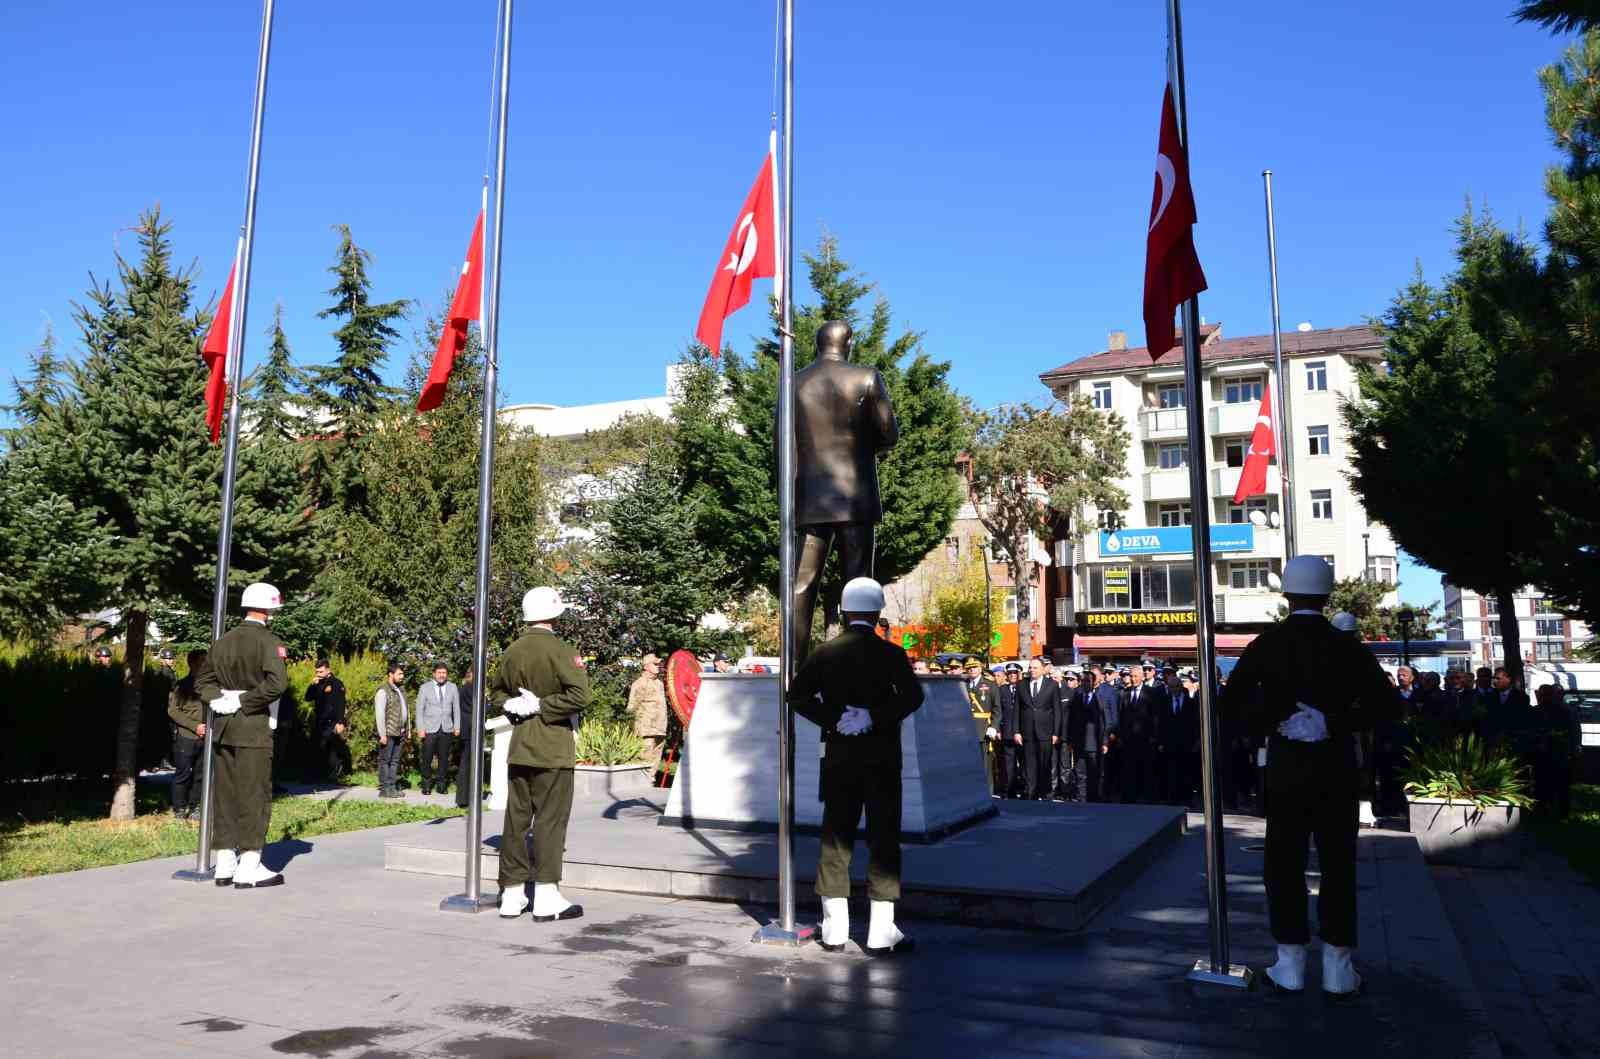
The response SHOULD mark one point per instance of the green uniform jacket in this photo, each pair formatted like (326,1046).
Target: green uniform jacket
(552,669)
(857,668)
(248,658)
(184,705)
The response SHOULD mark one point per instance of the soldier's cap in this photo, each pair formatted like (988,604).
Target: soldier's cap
(102,652)
(167,654)
(1124,671)
(1013,667)
(1170,669)
(974,663)
(720,657)
(1149,665)
(1188,674)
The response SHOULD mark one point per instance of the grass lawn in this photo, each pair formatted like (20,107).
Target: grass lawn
(54,827)
(1578,836)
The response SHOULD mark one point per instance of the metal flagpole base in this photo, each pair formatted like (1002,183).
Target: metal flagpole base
(190,875)
(464,903)
(1236,976)
(772,934)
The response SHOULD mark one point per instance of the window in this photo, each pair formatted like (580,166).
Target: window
(1317,376)
(1250,573)
(1174,515)
(1010,607)
(1381,568)
(1063,556)
(1110,587)
(1242,391)
(1318,439)
(1172,455)
(952,548)
(1238,513)
(1493,628)
(1322,504)
(1233,452)
(1549,627)
(1063,612)
(1549,650)
(1170,395)
(1101,395)
(1110,520)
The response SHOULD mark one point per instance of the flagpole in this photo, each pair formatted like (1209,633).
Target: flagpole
(1285,453)
(473,899)
(1217,970)
(230,458)
(785,931)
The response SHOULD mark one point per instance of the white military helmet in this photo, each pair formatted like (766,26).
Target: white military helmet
(863,595)
(1307,575)
(1344,621)
(260,596)
(542,604)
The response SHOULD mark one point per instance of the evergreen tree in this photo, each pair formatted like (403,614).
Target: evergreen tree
(725,416)
(275,402)
(1034,474)
(1560,16)
(118,454)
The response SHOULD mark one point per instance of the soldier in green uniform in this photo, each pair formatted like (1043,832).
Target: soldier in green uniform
(243,674)
(982,694)
(188,716)
(543,686)
(857,688)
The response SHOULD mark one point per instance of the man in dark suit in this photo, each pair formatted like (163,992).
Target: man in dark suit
(842,420)
(1109,695)
(1005,710)
(1038,700)
(1083,733)
(1136,737)
(1178,738)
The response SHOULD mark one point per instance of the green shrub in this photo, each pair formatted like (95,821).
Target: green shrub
(1466,769)
(608,743)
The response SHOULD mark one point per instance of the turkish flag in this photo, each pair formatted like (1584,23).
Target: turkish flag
(465,307)
(215,352)
(750,254)
(1263,446)
(1171,269)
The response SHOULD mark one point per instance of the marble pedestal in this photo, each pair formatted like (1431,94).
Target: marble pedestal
(728,776)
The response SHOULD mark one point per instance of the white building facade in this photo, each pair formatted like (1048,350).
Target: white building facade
(1126,589)
(1545,634)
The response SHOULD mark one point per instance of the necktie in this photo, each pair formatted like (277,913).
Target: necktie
(1036,687)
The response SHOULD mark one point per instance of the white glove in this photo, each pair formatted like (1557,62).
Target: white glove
(228,704)
(991,732)
(1308,725)
(856,721)
(524,705)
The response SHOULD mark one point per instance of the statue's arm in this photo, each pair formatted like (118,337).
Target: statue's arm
(887,425)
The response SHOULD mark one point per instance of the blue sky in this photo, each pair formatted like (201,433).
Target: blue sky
(989,166)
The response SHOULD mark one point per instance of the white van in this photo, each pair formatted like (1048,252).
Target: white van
(1581,681)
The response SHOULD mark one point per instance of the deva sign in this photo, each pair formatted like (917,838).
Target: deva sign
(1162,540)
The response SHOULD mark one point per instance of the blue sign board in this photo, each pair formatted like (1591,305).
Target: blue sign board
(1162,540)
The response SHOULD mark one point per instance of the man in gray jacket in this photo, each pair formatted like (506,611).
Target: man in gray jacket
(389,715)
(438,725)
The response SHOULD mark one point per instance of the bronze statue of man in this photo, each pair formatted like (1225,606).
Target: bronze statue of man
(843,419)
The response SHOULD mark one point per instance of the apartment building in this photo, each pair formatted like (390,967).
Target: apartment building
(1125,589)
(1546,635)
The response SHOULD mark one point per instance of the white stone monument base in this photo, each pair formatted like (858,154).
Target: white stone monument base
(727,779)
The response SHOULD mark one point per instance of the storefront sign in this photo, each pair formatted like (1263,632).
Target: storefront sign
(1117,578)
(1091,621)
(1161,540)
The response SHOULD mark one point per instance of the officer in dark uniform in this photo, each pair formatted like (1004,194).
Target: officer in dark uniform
(982,695)
(1005,757)
(542,685)
(858,688)
(1083,732)
(188,715)
(1311,688)
(327,698)
(243,674)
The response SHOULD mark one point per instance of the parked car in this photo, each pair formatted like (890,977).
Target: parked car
(1581,681)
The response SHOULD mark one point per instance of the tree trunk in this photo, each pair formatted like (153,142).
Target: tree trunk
(125,773)
(1510,633)
(1022,577)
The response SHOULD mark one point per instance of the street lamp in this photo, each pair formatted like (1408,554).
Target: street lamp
(1405,618)
(1366,557)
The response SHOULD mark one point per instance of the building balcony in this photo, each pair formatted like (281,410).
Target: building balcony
(1164,424)
(1225,480)
(1167,485)
(1232,418)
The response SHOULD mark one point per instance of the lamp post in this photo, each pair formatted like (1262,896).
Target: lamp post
(1366,557)
(1405,618)
(988,605)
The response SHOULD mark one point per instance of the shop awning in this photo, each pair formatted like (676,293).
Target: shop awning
(1235,641)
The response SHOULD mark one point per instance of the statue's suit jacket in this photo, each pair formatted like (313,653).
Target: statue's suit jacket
(843,419)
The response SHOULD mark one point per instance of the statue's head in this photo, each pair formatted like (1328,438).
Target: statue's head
(833,340)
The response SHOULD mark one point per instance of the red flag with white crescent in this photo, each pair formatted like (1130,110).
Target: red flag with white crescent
(215,352)
(1172,272)
(465,307)
(1263,446)
(750,254)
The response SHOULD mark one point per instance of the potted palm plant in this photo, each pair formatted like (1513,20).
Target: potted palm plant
(1466,801)
(608,760)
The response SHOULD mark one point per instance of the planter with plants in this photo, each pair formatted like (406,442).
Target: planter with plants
(1467,800)
(608,760)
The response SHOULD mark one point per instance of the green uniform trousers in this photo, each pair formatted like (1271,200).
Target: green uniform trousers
(541,799)
(243,800)
(846,791)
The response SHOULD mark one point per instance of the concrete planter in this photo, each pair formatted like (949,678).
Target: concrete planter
(616,781)
(1465,835)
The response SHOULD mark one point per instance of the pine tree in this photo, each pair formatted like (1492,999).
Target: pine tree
(725,418)
(275,401)
(120,456)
